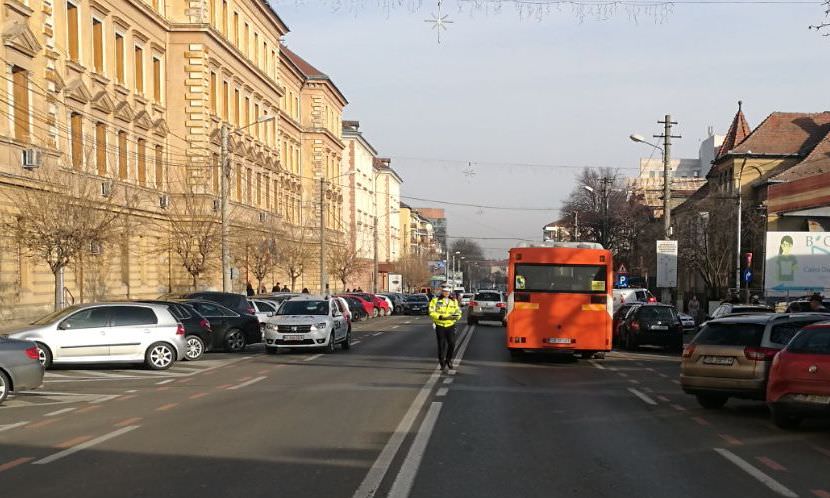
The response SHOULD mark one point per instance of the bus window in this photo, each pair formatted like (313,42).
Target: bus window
(561,278)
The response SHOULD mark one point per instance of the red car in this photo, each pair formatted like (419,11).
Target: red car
(380,304)
(367,305)
(799,380)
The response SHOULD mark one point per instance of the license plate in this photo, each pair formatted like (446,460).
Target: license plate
(294,337)
(659,327)
(718,360)
(812,398)
(558,340)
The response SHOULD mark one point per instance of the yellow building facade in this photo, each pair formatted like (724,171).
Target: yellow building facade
(132,96)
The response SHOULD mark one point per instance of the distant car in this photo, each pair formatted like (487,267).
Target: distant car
(232,300)
(308,322)
(381,307)
(731,356)
(729,309)
(368,306)
(803,306)
(487,305)
(617,320)
(198,335)
(358,311)
(416,304)
(232,331)
(397,302)
(631,295)
(343,306)
(465,298)
(108,333)
(20,368)
(688,322)
(390,306)
(799,379)
(265,309)
(652,324)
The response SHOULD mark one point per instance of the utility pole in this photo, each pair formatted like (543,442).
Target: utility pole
(576,226)
(225,172)
(667,136)
(323,277)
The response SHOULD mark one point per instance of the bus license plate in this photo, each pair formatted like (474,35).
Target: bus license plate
(558,340)
(294,337)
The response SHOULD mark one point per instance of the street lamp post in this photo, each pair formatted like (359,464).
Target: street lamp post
(225,173)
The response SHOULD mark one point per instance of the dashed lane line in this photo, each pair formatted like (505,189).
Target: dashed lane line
(353,343)
(86,444)
(756,473)
(643,397)
(59,412)
(596,365)
(246,383)
(9,427)
(402,485)
(314,357)
(165,381)
(442,391)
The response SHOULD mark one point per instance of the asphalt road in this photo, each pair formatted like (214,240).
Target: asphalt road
(379,420)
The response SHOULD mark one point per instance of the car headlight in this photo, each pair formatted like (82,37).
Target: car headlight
(271,326)
(321,325)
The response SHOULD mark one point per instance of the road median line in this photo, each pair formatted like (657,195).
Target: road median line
(87,444)
(756,473)
(409,469)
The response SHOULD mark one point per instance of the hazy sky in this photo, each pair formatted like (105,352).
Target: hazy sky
(558,92)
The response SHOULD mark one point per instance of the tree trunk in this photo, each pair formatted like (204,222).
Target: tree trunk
(293,282)
(194,282)
(58,274)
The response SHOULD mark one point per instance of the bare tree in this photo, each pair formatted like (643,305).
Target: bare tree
(60,216)
(706,244)
(294,253)
(344,262)
(414,271)
(194,233)
(822,27)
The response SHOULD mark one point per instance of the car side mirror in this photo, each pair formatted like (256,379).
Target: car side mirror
(63,326)
(271,314)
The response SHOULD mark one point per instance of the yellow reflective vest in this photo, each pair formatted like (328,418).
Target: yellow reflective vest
(444,307)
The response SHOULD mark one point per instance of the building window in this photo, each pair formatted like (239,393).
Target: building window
(98,45)
(156,5)
(142,162)
(248,181)
(76,125)
(139,69)
(258,189)
(236,107)
(122,155)
(236,29)
(257,126)
(212,13)
(212,96)
(72,29)
(267,193)
(159,167)
(157,80)
(247,110)
(20,94)
(119,58)
(217,172)
(225,99)
(101,148)
(225,18)
(247,39)
(255,58)
(239,183)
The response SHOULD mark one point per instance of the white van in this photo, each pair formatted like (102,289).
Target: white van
(622,296)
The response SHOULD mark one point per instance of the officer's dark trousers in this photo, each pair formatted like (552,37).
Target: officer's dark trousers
(446,344)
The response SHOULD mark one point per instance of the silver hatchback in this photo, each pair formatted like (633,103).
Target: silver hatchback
(19,368)
(108,333)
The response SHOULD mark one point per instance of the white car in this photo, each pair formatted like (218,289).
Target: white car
(466,298)
(391,308)
(623,296)
(306,322)
(108,333)
(265,309)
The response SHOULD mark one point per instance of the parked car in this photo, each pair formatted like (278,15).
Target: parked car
(390,306)
(652,324)
(688,322)
(236,302)
(416,304)
(799,379)
(198,335)
(368,306)
(343,306)
(803,305)
(232,331)
(381,307)
(465,298)
(108,333)
(265,309)
(728,309)
(617,320)
(20,368)
(356,308)
(487,305)
(632,295)
(308,322)
(398,302)
(730,357)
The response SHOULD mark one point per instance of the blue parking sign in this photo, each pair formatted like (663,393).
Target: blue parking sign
(622,280)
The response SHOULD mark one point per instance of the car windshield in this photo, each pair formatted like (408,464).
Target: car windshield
(304,307)
(731,334)
(417,298)
(655,313)
(487,296)
(811,341)
(56,315)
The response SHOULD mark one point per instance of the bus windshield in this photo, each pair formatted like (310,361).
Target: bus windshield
(588,279)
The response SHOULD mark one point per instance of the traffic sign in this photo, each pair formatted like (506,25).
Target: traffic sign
(622,269)
(747,275)
(622,280)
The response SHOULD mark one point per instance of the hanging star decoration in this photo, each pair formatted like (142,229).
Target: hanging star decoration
(439,22)
(469,172)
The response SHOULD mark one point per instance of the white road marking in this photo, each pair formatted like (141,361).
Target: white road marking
(310,358)
(448,380)
(442,392)
(596,365)
(645,398)
(354,342)
(85,445)
(756,473)
(131,391)
(104,399)
(409,469)
(60,412)
(394,326)
(246,383)
(13,426)
(676,381)
(377,334)
(167,381)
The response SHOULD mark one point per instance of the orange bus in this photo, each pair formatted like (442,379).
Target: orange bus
(560,299)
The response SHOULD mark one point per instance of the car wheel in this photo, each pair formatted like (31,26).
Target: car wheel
(5,386)
(375,313)
(347,344)
(271,350)
(195,348)
(235,341)
(160,356)
(712,401)
(44,354)
(784,420)
(330,348)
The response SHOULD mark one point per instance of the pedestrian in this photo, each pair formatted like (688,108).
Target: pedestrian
(694,308)
(817,303)
(429,294)
(305,290)
(276,288)
(445,312)
(285,289)
(249,289)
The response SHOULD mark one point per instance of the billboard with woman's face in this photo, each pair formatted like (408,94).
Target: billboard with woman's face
(797,263)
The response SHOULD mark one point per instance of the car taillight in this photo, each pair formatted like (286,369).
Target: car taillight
(500,305)
(472,304)
(635,326)
(204,324)
(760,354)
(180,329)
(32,353)
(688,351)
(652,299)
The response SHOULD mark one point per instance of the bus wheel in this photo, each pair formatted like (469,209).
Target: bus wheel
(587,355)
(599,356)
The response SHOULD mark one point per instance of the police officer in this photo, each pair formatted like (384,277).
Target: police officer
(445,313)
